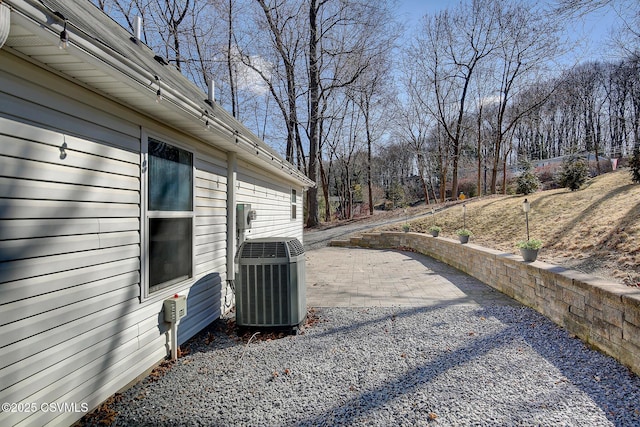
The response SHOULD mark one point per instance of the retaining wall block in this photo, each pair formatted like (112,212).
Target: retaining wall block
(356,241)
(611,294)
(577,312)
(615,336)
(592,312)
(604,344)
(571,297)
(600,327)
(631,333)
(629,355)
(613,315)
(632,307)
(525,297)
(577,325)
(544,295)
(556,310)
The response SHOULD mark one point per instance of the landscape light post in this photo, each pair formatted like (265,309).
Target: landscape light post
(464,216)
(526,207)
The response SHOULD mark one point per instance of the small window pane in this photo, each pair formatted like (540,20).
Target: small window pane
(294,207)
(170,177)
(169,251)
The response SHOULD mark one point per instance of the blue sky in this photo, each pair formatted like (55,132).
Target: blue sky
(594,28)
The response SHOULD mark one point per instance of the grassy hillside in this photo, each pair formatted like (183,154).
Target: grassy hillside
(595,229)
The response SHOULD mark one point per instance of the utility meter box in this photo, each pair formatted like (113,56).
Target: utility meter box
(244,216)
(175,308)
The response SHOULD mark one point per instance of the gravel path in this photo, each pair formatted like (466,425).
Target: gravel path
(442,365)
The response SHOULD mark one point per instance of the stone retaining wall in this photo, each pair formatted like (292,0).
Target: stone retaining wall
(603,314)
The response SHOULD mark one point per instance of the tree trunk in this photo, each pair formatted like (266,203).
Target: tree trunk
(423,182)
(504,174)
(232,86)
(314,85)
(369,185)
(454,179)
(325,191)
(479,131)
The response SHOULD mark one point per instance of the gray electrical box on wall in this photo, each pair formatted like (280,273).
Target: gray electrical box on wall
(175,308)
(244,216)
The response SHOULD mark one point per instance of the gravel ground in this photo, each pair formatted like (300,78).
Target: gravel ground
(443,365)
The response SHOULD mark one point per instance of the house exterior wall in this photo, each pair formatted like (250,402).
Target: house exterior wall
(272,202)
(76,325)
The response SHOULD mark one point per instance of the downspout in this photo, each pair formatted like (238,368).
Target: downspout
(232,166)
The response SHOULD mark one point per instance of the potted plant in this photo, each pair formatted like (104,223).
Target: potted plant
(435,230)
(406,227)
(529,249)
(463,235)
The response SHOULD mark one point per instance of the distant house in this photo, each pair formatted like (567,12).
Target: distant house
(557,161)
(119,182)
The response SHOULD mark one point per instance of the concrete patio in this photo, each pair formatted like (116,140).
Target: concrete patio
(354,277)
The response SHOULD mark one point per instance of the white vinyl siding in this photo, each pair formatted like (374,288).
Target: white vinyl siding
(71,319)
(211,216)
(206,295)
(271,200)
(69,263)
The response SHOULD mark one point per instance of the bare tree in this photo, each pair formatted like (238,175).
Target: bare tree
(229,10)
(450,50)
(527,41)
(285,29)
(344,38)
(626,36)
(414,126)
(314,100)
(167,17)
(372,94)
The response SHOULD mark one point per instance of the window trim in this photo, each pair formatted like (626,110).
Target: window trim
(294,204)
(145,293)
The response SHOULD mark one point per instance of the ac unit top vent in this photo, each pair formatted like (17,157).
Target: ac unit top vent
(263,250)
(271,248)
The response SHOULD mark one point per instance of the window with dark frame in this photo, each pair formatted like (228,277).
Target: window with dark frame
(170,215)
(294,205)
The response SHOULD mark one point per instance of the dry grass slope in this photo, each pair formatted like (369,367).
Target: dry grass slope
(595,229)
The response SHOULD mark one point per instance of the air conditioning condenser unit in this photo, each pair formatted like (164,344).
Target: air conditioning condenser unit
(270,283)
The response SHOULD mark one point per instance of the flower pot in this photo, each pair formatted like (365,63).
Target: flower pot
(463,239)
(435,233)
(529,255)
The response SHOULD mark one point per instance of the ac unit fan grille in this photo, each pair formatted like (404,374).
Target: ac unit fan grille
(263,250)
(295,247)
